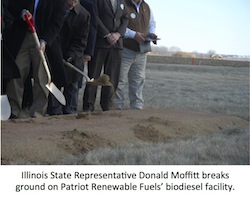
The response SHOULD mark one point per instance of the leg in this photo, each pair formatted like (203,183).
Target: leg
(28,94)
(112,68)
(126,61)
(15,87)
(68,97)
(15,94)
(40,92)
(71,95)
(136,79)
(94,71)
(74,100)
(54,107)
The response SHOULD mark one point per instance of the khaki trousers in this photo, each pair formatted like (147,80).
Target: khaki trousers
(28,56)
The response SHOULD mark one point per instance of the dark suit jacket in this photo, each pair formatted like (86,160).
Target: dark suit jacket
(108,21)
(49,20)
(90,6)
(74,37)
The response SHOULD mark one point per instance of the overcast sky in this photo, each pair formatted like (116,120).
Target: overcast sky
(203,25)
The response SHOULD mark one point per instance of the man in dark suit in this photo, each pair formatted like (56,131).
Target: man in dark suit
(112,21)
(74,37)
(49,17)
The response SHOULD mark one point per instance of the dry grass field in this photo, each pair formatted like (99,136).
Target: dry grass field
(220,90)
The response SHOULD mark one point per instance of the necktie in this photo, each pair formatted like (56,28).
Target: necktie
(113,2)
(35,7)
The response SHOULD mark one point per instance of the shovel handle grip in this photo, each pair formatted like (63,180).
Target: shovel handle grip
(30,22)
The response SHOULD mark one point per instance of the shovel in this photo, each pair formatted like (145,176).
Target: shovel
(5,104)
(5,108)
(104,80)
(50,86)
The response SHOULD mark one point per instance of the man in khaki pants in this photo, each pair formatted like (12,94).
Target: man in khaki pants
(48,18)
(141,27)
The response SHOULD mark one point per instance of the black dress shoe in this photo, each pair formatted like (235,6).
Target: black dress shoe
(55,113)
(13,116)
(67,112)
(106,109)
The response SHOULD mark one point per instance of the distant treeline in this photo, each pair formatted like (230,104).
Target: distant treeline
(176,52)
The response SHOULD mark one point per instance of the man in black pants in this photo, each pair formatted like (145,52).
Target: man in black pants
(112,21)
(74,37)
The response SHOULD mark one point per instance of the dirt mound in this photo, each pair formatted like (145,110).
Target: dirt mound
(60,139)
(77,142)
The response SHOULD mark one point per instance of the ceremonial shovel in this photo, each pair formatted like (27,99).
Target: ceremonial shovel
(50,86)
(104,80)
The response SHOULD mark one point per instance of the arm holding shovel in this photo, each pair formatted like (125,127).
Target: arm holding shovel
(51,86)
(27,16)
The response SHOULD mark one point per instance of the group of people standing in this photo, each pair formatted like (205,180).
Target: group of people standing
(110,35)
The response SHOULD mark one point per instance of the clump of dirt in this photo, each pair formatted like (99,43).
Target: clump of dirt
(148,134)
(166,123)
(77,142)
(157,120)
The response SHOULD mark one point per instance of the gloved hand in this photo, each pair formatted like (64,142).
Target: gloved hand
(26,13)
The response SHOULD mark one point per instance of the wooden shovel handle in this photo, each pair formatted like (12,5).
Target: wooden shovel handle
(30,23)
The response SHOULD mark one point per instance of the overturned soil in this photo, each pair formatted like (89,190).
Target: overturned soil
(55,139)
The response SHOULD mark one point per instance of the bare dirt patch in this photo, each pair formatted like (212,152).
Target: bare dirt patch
(63,139)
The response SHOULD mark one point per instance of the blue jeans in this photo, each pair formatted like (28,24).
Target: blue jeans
(133,68)
(71,95)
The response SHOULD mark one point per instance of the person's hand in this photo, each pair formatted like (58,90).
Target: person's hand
(42,45)
(109,38)
(113,37)
(139,37)
(26,13)
(116,36)
(70,59)
(153,36)
(86,58)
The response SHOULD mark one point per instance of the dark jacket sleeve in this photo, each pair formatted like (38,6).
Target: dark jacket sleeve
(79,40)
(90,6)
(49,19)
